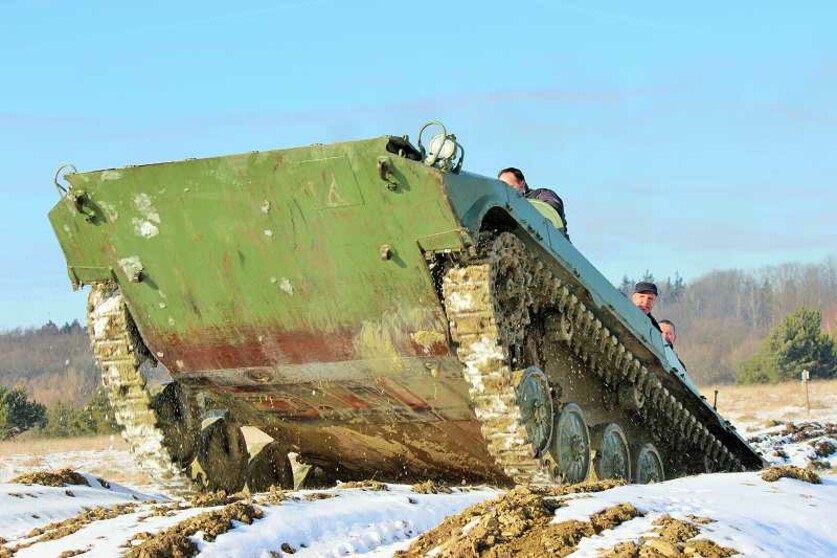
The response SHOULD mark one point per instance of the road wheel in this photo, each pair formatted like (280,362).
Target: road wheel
(570,446)
(649,465)
(613,459)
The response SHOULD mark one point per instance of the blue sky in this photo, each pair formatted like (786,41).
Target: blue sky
(682,138)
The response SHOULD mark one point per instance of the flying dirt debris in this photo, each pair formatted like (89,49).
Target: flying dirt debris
(378,311)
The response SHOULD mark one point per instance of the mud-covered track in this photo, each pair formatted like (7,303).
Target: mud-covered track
(486,330)
(116,347)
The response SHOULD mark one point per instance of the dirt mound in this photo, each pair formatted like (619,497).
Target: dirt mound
(210,499)
(273,497)
(809,430)
(430,487)
(175,541)
(675,539)
(792,472)
(518,523)
(824,448)
(62,477)
(319,496)
(364,485)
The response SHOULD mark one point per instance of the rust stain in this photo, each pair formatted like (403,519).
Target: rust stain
(214,350)
(402,394)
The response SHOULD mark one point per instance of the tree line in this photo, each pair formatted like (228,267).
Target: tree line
(49,383)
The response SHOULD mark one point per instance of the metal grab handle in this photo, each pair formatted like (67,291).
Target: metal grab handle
(62,191)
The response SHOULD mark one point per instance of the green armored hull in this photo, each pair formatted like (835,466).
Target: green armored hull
(379,312)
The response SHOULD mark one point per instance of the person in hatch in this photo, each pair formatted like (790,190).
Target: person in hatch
(514,178)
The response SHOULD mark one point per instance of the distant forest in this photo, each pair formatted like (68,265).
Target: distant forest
(54,363)
(721,318)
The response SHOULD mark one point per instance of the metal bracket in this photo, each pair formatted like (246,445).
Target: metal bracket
(81,203)
(385,172)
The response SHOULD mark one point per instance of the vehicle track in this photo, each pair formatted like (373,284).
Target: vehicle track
(487,319)
(117,348)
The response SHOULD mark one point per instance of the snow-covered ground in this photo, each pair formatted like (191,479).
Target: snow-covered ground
(756,518)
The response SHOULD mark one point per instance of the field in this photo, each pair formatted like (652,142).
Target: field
(708,515)
(751,405)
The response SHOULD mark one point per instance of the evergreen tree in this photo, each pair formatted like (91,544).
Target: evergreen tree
(627,285)
(795,344)
(18,413)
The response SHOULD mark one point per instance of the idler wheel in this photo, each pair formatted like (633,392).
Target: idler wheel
(649,465)
(570,446)
(221,461)
(613,458)
(534,399)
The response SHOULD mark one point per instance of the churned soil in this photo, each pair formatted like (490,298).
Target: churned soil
(319,496)
(809,430)
(431,487)
(824,448)
(792,472)
(174,542)
(61,529)
(518,523)
(217,498)
(62,477)
(273,497)
(364,485)
(674,539)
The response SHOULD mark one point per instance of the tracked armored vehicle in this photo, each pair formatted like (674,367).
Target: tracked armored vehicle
(377,311)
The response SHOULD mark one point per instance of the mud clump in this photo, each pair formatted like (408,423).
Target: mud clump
(273,497)
(675,539)
(675,530)
(431,487)
(815,464)
(792,472)
(319,496)
(364,485)
(61,529)
(700,520)
(218,498)
(824,448)
(809,430)
(518,523)
(175,541)
(60,478)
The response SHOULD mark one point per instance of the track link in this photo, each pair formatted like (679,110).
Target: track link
(486,330)
(116,347)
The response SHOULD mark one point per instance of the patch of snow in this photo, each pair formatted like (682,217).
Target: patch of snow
(356,522)
(26,507)
(755,517)
(143,204)
(285,285)
(145,229)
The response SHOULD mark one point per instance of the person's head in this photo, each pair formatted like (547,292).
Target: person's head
(669,334)
(514,178)
(644,296)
